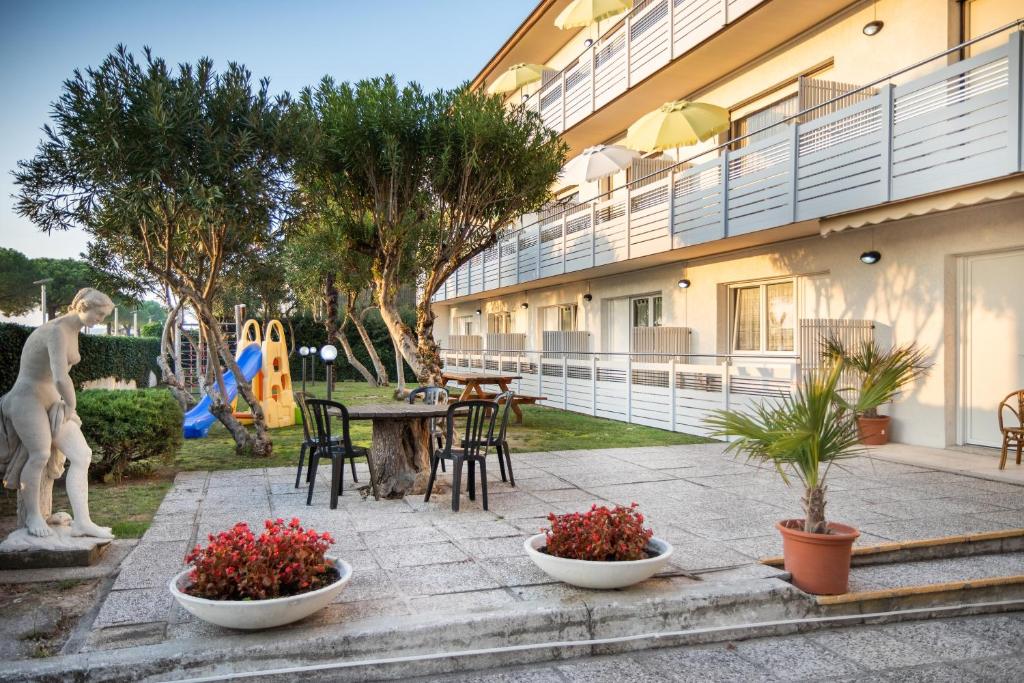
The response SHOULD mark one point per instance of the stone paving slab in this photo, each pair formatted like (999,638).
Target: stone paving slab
(416,558)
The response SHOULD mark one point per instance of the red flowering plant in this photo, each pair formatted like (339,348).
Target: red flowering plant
(237,564)
(601,534)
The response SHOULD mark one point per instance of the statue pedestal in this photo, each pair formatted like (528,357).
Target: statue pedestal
(21,550)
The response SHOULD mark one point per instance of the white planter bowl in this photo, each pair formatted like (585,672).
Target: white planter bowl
(589,574)
(257,614)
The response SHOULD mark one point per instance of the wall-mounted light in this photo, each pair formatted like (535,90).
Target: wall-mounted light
(588,297)
(683,284)
(588,42)
(525,97)
(478,311)
(871,257)
(873,27)
(524,305)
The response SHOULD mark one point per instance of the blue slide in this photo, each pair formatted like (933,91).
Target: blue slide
(199,419)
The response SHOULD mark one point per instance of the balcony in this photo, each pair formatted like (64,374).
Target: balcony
(957,126)
(653,34)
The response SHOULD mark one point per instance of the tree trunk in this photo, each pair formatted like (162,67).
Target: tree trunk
(814,510)
(401,334)
(378,367)
(399,372)
(401,456)
(167,375)
(427,350)
(351,358)
(259,444)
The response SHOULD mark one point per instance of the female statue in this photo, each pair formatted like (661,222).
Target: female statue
(39,427)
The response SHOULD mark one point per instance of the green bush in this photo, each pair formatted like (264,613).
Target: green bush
(153,329)
(129,431)
(126,358)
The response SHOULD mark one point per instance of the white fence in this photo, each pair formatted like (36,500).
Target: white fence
(653,34)
(958,125)
(675,395)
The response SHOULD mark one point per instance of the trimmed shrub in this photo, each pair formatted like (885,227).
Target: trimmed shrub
(129,431)
(151,330)
(124,358)
(601,534)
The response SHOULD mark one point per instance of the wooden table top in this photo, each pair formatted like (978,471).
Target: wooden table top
(396,411)
(477,376)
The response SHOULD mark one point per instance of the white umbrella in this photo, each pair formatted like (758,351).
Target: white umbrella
(597,162)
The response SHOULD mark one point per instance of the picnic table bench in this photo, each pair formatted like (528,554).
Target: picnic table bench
(473,387)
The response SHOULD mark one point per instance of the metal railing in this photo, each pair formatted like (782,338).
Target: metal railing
(958,125)
(676,393)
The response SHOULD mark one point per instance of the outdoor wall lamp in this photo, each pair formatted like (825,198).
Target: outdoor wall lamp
(524,306)
(525,97)
(683,284)
(871,257)
(873,27)
(479,311)
(588,42)
(588,297)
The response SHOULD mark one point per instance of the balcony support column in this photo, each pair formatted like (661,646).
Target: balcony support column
(885,130)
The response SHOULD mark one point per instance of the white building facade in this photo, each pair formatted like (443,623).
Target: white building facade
(908,142)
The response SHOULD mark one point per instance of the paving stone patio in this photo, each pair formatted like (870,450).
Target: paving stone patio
(413,558)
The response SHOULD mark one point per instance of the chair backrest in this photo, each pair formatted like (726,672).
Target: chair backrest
(479,415)
(432,396)
(505,401)
(322,412)
(1014,402)
(300,400)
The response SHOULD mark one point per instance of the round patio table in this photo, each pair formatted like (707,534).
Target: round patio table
(400,444)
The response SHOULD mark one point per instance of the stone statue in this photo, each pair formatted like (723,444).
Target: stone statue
(39,429)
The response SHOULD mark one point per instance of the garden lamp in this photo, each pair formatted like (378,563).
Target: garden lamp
(304,351)
(312,364)
(328,353)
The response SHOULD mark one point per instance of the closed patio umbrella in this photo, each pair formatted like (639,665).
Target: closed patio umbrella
(677,124)
(583,13)
(516,77)
(597,162)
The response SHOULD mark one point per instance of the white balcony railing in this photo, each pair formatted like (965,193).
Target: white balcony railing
(675,395)
(654,33)
(959,125)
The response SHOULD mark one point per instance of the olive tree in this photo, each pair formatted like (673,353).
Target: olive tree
(176,172)
(437,176)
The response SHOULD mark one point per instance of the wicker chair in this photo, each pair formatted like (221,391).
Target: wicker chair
(1013,434)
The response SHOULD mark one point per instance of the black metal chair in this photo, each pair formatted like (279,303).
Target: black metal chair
(325,445)
(479,416)
(308,441)
(497,438)
(432,396)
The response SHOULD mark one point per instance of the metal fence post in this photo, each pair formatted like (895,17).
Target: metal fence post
(565,381)
(672,392)
(593,384)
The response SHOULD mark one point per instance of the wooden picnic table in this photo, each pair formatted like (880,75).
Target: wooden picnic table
(472,383)
(399,444)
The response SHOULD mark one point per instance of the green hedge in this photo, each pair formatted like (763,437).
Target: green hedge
(126,358)
(129,431)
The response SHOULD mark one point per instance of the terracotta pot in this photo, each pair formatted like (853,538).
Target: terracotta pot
(874,431)
(818,563)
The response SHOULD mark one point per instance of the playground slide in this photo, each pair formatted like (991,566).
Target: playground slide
(199,419)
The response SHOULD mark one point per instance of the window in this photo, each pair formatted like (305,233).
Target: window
(647,311)
(763,317)
(762,118)
(464,324)
(559,318)
(499,323)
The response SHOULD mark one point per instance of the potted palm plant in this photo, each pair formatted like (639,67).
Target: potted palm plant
(803,435)
(882,374)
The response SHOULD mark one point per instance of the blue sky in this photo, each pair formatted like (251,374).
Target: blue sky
(438,43)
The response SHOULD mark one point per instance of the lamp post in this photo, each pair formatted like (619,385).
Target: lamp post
(312,364)
(328,353)
(304,351)
(42,296)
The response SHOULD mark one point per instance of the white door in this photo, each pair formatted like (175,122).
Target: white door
(992,329)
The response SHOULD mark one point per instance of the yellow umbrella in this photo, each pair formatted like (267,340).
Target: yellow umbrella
(676,124)
(516,77)
(583,13)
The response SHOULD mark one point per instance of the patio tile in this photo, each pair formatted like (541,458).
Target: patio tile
(137,606)
(871,648)
(703,665)
(390,538)
(457,529)
(168,531)
(464,603)
(488,548)
(151,565)
(794,658)
(439,579)
(418,555)
(515,571)
(368,585)
(948,640)
(933,528)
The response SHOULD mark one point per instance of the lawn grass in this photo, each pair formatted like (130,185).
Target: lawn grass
(128,506)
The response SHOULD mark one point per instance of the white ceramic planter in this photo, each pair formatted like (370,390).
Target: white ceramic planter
(257,614)
(588,574)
